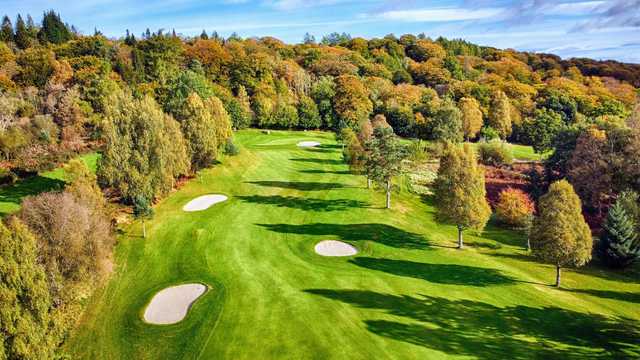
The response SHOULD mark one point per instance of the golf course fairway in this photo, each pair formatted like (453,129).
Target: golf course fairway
(406,294)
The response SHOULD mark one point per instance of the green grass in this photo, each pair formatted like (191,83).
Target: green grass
(11,196)
(407,295)
(521,152)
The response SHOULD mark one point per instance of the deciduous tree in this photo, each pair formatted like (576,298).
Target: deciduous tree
(459,190)
(500,117)
(471,117)
(385,156)
(560,234)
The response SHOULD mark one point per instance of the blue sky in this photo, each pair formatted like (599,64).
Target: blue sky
(608,29)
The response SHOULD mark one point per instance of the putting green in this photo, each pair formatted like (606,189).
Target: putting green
(407,294)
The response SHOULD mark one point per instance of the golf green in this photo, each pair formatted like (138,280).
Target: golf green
(406,294)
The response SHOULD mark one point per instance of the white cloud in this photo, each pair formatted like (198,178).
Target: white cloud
(440,14)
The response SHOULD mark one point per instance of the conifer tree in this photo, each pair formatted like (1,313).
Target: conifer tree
(619,245)
(6,30)
(53,30)
(500,117)
(22,38)
(460,191)
(560,234)
(384,160)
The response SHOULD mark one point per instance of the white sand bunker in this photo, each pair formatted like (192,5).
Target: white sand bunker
(335,248)
(306,144)
(171,305)
(204,202)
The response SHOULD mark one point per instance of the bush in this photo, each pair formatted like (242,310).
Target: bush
(487,133)
(495,154)
(230,148)
(514,208)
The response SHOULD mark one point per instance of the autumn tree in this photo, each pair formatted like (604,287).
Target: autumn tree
(28,328)
(199,129)
(460,191)
(384,160)
(221,119)
(144,150)
(353,151)
(351,101)
(588,168)
(471,117)
(560,234)
(446,124)
(515,208)
(500,117)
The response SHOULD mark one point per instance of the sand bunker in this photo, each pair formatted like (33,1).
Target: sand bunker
(203,202)
(335,248)
(171,305)
(305,144)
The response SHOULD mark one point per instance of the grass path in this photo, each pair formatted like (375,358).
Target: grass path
(406,295)
(11,196)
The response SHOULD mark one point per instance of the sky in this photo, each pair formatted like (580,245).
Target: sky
(599,29)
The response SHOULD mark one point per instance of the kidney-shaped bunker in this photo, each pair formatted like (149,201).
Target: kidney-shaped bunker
(172,304)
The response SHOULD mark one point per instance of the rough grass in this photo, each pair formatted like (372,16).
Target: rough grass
(408,294)
(11,195)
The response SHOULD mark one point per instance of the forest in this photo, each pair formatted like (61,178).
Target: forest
(160,106)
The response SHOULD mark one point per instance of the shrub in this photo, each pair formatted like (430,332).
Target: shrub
(230,148)
(495,154)
(514,208)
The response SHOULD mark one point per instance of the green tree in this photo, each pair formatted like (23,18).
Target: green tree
(500,117)
(471,117)
(142,210)
(446,124)
(221,120)
(25,309)
(140,158)
(384,160)
(308,114)
(619,245)
(541,130)
(53,30)
(460,191)
(22,37)
(560,234)
(6,30)
(198,126)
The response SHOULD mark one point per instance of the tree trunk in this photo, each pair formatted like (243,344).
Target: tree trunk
(558,276)
(460,242)
(528,244)
(388,194)
(368,183)
(144,229)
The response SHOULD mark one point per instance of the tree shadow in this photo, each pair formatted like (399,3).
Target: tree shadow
(449,274)
(381,233)
(337,172)
(30,186)
(485,331)
(305,203)
(299,185)
(608,294)
(319,161)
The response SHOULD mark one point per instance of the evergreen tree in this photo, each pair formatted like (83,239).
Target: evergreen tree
(22,38)
(28,331)
(204,35)
(460,191)
(619,245)
(6,30)
(53,30)
(384,160)
(500,117)
(560,234)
